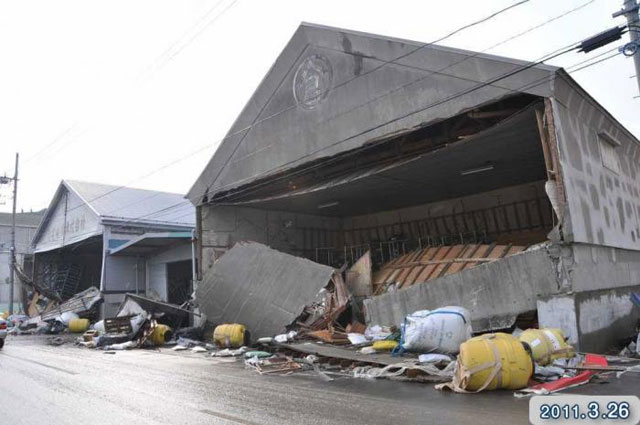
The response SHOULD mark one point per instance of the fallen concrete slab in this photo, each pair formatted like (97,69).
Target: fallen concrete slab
(495,293)
(264,289)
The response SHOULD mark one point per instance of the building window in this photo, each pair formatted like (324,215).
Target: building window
(609,152)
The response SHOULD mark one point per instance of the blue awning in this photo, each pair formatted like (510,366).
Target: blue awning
(150,242)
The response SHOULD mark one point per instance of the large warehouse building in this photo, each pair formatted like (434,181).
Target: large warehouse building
(118,239)
(359,142)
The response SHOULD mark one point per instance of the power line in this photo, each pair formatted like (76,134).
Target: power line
(404,65)
(185,33)
(597,62)
(334,88)
(170,207)
(436,103)
(56,139)
(384,63)
(535,82)
(179,49)
(422,109)
(442,101)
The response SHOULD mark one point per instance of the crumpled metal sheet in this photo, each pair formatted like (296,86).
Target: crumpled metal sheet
(262,288)
(81,303)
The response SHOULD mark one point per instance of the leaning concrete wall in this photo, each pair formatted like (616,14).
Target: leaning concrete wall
(494,293)
(603,204)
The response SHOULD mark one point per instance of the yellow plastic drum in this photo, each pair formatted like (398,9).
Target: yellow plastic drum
(161,334)
(78,326)
(385,345)
(229,335)
(491,362)
(547,345)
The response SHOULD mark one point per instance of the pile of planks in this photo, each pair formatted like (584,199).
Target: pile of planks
(433,262)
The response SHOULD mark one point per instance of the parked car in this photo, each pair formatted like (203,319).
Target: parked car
(3,331)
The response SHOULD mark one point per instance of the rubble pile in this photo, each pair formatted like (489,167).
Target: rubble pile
(280,314)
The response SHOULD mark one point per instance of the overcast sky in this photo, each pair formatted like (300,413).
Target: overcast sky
(113,91)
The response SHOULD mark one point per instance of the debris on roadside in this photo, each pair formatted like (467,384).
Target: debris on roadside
(230,335)
(56,341)
(441,330)
(276,365)
(319,329)
(546,345)
(581,378)
(410,370)
(491,361)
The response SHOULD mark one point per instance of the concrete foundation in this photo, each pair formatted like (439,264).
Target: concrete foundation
(594,321)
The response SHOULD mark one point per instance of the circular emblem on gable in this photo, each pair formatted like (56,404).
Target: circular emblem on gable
(312,81)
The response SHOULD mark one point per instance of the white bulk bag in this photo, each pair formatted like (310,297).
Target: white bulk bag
(441,330)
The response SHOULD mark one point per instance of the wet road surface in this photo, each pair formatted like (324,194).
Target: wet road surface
(50,385)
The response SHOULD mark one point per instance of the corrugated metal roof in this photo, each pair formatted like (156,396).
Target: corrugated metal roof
(117,205)
(134,205)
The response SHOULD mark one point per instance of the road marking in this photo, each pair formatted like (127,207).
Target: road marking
(42,364)
(227,417)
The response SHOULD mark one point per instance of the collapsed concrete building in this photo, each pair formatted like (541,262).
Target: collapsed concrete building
(118,239)
(357,142)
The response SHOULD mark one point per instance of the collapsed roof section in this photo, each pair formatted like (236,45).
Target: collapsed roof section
(502,140)
(333,90)
(264,289)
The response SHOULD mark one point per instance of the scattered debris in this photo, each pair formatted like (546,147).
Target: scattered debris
(408,370)
(491,361)
(56,340)
(546,345)
(566,382)
(277,365)
(83,304)
(230,353)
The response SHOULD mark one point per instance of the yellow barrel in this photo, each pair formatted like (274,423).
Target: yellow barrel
(547,345)
(229,335)
(493,361)
(160,334)
(77,326)
(385,345)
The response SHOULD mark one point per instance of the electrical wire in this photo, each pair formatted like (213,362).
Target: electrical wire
(164,62)
(170,207)
(423,45)
(444,100)
(384,63)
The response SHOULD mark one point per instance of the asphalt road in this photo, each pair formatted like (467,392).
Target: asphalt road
(50,385)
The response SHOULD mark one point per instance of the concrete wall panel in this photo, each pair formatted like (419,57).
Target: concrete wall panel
(603,204)
(494,293)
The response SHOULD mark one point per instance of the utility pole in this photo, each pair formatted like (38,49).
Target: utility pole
(630,11)
(13,237)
